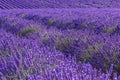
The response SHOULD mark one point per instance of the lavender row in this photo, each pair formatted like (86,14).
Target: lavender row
(101,48)
(99,20)
(31,4)
(27,60)
(74,18)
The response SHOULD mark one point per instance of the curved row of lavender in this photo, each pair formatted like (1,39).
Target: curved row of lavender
(33,4)
(26,59)
(97,43)
(105,20)
(99,49)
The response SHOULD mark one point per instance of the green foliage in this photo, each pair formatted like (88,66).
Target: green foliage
(21,15)
(108,29)
(44,38)
(48,21)
(62,43)
(91,25)
(26,30)
(88,52)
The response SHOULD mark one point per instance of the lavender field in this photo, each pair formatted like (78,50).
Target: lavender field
(52,40)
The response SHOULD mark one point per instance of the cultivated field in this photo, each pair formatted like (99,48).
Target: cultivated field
(79,41)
